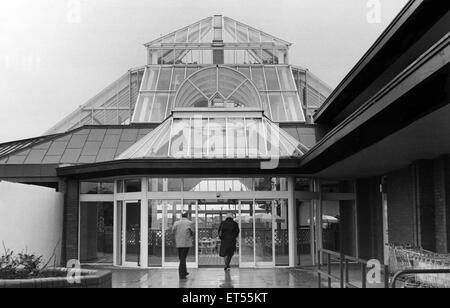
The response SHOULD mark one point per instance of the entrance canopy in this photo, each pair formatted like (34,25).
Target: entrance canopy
(219,134)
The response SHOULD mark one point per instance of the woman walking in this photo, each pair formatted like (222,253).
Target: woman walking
(228,233)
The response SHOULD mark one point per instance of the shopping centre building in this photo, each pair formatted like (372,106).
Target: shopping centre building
(219,121)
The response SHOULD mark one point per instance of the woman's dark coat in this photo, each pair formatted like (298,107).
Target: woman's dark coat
(228,232)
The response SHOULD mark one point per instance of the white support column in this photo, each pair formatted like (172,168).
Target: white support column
(144,224)
(292,227)
(286,57)
(281,57)
(318,220)
(152,57)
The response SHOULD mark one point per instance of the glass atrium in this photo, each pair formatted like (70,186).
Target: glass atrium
(213,124)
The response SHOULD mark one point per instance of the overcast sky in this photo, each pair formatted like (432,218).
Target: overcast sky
(54,57)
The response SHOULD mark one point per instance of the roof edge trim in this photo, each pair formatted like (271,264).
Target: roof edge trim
(385,37)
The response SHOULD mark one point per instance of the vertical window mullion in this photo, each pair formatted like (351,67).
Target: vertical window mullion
(226,138)
(254,231)
(264,128)
(267,93)
(208,137)
(247,145)
(168,95)
(170,139)
(282,96)
(217,79)
(190,138)
(236,40)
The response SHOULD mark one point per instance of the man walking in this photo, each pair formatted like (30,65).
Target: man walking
(184,240)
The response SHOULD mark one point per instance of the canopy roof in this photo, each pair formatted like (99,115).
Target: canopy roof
(97,144)
(218,134)
(15,146)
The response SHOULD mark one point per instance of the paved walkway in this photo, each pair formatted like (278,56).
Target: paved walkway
(214,278)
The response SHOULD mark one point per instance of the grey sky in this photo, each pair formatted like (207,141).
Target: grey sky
(51,62)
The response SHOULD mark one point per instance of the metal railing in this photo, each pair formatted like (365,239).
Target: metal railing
(404,273)
(345,263)
(404,259)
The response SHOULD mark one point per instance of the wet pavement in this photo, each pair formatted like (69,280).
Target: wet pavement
(213,278)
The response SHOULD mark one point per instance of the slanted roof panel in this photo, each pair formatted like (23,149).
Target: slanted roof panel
(196,32)
(82,146)
(16,146)
(112,106)
(246,34)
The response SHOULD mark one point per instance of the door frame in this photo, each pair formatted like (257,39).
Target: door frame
(273,223)
(241,263)
(255,263)
(176,264)
(144,197)
(126,263)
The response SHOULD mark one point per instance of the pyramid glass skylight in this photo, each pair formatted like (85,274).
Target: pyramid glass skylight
(216,135)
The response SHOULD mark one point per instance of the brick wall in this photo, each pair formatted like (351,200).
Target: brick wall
(425,198)
(347,228)
(442,203)
(401,208)
(419,205)
(370,219)
(418,199)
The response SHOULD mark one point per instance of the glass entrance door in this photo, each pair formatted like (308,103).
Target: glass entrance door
(211,213)
(172,212)
(263,239)
(247,238)
(264,233)
(132,234)
(155,232)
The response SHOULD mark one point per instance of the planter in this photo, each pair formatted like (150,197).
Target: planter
(89,279)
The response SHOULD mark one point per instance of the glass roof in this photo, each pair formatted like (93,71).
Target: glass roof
(175,47)
(11,147)
(216,135)
(81,146)
(261,57)
(270,88)
(266,51)
(218,87)
(190,34)
(243,33)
